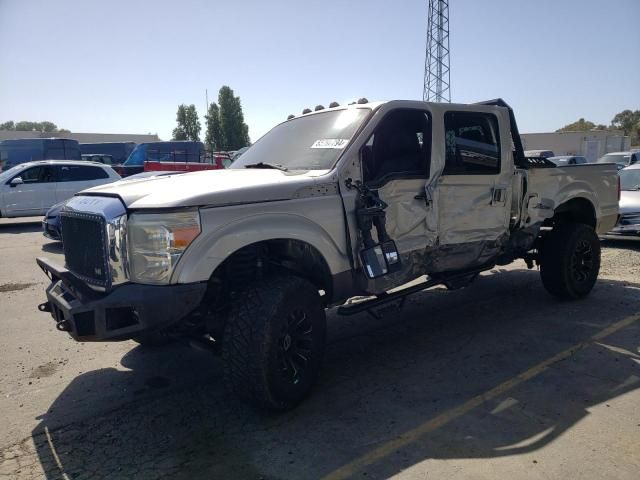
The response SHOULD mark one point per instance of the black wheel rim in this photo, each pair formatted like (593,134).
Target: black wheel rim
(295,346)
(582,261)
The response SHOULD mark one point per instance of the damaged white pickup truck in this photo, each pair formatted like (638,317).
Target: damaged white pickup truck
(343,202)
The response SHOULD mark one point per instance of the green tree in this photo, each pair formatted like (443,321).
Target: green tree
(180,132)
(581,125)
(47,127)
(27,126)
(235,133)
(629,122)
(213,138)
(192,123)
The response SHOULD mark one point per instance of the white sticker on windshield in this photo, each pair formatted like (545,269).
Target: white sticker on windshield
(330,143)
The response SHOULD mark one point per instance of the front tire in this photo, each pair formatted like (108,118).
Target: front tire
(570,261)
(273,342)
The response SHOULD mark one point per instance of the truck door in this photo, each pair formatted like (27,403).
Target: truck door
(474,190)
(396,161)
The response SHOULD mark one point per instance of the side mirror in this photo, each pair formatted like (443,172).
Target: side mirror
(16,181)
(380,259)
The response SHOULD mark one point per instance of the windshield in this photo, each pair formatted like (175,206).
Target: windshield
(620,159)
(630,179)
(312,142)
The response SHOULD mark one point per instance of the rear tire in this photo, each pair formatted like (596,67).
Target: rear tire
(273,342)
(570,261)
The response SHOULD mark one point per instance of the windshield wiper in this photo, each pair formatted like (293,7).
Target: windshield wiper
(275,166)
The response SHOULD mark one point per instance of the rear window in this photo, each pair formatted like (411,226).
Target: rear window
(472,144)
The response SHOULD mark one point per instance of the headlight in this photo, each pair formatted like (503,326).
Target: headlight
(157,241)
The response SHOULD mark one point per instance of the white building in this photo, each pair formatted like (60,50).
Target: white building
(82,137)
(592,144)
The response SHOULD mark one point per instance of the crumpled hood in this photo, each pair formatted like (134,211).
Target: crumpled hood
(629,201)
(209,187)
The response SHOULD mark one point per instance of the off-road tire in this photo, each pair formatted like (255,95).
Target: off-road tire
(256,347)
(570,261)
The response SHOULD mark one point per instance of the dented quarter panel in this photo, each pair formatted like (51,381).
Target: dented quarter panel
(551,187)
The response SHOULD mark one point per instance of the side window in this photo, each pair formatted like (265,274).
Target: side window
(400,147)
(95,173)
(41,174)
(81,173)
(472,144)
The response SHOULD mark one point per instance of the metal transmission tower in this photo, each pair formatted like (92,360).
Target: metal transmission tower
(437,77)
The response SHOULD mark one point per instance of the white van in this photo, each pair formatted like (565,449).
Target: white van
(31,188)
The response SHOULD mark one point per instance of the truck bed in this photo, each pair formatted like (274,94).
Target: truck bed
(550,187)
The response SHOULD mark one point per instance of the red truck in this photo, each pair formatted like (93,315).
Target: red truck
(216,161)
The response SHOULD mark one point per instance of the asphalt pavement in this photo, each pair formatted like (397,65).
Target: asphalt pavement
(498,380)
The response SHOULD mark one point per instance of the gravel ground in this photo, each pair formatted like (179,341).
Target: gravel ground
(496,380)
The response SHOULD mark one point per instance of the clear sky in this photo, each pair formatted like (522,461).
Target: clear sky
(123,66)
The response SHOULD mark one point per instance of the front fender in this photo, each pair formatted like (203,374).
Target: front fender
(214,245)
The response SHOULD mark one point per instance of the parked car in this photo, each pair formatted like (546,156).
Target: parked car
(348,201)
(51,220)
(538,153)
(31,188)
(99,157)
(621,159)
(629,205)
(15,152)
(562,160)
(175,151)
(119,151)
(235,155)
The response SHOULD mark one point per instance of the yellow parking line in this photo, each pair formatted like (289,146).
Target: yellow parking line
(349,469)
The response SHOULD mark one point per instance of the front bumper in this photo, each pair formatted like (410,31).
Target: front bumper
(51,230)
(127,311)
(628,224)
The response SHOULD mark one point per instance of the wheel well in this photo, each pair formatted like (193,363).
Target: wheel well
(576,210)
(259,260)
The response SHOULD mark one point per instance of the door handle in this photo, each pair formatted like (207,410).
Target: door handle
(423,196)
(497,195)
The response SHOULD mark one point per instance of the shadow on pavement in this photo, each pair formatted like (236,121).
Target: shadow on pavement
(168,414)
(53,247)
(631,243)
(21,227)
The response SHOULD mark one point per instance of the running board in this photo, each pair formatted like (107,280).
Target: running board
(385,298)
